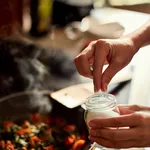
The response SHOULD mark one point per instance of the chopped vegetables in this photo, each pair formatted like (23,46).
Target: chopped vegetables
(23,131)
(78,144)
(6,145)
(42,133)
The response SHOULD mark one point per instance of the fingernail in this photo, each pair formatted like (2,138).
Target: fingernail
(105,87)
(95,89)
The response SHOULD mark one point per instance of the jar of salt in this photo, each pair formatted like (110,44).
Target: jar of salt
(100,105)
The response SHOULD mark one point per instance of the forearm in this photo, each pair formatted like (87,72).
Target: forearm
(141,36)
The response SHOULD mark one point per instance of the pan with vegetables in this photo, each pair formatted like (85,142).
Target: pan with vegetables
(27,127)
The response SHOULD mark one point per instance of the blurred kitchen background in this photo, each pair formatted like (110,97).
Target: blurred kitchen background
(38,42)
(40,38)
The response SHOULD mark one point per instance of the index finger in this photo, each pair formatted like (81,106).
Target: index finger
(116,134)
(99,61)
(120,121)
(82,61)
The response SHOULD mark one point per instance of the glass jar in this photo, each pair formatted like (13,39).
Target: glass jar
(100,105)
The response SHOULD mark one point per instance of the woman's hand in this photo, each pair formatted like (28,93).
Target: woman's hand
(117,53)
(136,118)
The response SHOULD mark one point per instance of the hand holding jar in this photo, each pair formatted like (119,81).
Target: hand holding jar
(136,118)
(98,106)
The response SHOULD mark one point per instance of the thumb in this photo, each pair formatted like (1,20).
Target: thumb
(108,74)
(124,110)
(138,108)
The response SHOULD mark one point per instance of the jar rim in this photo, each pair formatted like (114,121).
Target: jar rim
(100,102)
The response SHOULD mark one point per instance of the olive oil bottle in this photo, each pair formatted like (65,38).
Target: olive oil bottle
(41,12)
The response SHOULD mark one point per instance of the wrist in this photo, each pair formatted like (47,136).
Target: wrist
(131,44)
(140,37)
(136,44)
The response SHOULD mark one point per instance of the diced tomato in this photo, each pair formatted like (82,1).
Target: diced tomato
(34,140)
(2,144)
(24,148)
(78,144)
(9,146)
(36,117)
(26,124)
(46,119)
(8,142)
(73,136)
(59,121)
(23,131)
(49,131)
(69,128)
(51,147)
(69,141)
(8,124)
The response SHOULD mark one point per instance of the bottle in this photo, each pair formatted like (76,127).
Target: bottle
(100,105)
(41,12)
(68,11)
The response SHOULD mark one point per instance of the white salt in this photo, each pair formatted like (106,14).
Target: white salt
(103,114)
